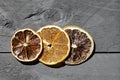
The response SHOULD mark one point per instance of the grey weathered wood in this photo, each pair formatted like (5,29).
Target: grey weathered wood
(99,67)
(101,18)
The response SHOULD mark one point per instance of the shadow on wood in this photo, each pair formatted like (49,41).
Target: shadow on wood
(30,63)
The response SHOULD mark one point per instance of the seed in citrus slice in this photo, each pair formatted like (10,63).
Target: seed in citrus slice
(56,45)
(82,45)
(26,45)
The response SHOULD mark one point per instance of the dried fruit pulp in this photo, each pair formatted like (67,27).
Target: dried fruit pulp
(82,45)
(56,45)
(26,45)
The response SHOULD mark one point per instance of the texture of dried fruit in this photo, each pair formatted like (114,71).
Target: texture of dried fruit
(26,45)
(56,45)
(81,45)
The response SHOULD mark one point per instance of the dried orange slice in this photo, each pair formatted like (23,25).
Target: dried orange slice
(82,45)
(56,45)
(26,45)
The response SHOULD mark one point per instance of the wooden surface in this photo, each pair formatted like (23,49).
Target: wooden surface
(101,18)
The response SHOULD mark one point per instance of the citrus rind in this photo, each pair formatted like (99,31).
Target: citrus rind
(40,49)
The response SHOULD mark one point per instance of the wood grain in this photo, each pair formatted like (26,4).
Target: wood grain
(101,18)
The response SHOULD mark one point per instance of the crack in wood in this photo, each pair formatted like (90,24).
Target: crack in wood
(33,14)
(97,52)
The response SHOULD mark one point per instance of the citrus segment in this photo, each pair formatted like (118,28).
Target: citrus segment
(26,45)
(56,45)
(82,45)
(60,39)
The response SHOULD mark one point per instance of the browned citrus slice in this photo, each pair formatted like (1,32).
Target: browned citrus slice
(56,45)
(82,45)
(26,45)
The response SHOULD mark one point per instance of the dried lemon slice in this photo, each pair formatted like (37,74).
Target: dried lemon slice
(82,45)
(56,45)
(26,45)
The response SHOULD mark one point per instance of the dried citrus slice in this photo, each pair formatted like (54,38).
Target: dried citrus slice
(82,45)
(26,45)
(56,45)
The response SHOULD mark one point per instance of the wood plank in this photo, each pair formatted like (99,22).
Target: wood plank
(100,18)
(105,67)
